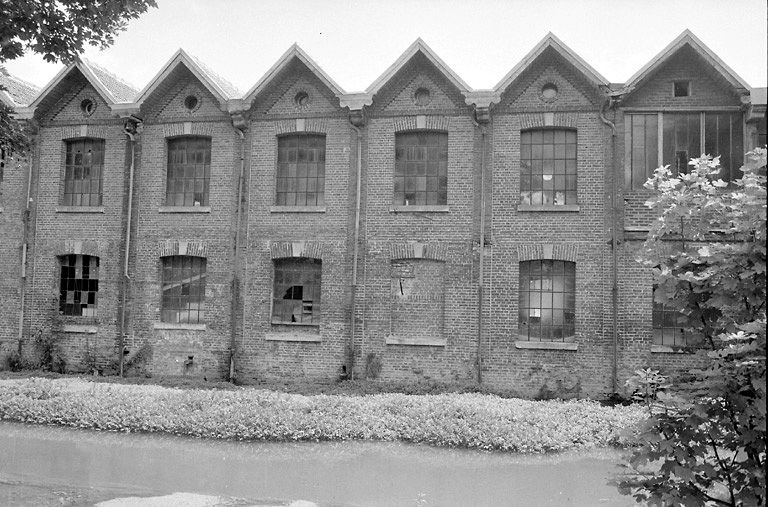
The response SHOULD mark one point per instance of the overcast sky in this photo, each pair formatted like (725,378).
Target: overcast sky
(481,40)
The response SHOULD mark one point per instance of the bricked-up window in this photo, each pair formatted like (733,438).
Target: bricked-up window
(296,297)
(421,168)
(417,290)
(183,289)
(300,170)
(78,285)
(189,171)
(547,300)
(669,326)
(548,167)
(83,167)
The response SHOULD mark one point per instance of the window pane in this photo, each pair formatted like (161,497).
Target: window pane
(183,289)
(82,172)
(301,168)
(296,292)
(78,285)
(546,300)
(421,157)
(544,153)
(188,175)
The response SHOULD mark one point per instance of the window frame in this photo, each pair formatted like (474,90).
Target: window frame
(567,174)
(567,298)
(319,180)
(171,181)
(679,332)
(435,178)
(169,284)
(303,268)
(70,283)
(75,199)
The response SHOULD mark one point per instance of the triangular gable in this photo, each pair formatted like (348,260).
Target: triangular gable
(294,52)
(419,46)
(550,41)
(109,87)
(221,89)
(686,38)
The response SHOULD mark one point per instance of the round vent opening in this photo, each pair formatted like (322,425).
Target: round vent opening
(301,99)
(422,97)
(549,91)
(87,106)
(191,102)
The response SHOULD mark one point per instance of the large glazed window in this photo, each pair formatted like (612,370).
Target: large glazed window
(300,170)
(547,300)
(421,168)
(78,285)
(83,167)
(189,171)
(643,148)
(670,326)
(296,296)
(183,289)
(724,136)
(548,167)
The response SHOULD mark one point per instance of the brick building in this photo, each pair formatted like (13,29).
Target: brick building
(418,230)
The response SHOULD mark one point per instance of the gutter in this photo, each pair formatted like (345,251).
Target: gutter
(130,131)
(350,362)
(610,103)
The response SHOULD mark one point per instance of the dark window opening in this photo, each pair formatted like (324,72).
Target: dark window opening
(300,170)
(548,167)
(682,88)
(547,300)
(189,171)
(681,162)
(78,285)
(297,291)
(421,168)
(83,168)
(183,289)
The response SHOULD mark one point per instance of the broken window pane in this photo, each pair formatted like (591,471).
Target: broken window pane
(189,170)
(78,285)
(82,172)
(296,294)
(547,300)
(183,289)
(546,157)
(421,168)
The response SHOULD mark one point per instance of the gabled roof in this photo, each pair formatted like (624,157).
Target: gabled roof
(16,92)
(687,37)
(222,89)
(293,52)
(551,41)
(419,46)
(110,87)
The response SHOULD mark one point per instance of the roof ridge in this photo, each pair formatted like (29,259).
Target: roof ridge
(227,87)
(95,66)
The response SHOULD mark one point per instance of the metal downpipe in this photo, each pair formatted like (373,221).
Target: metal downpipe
(481,270)
(236,268)
(130,131)
(355,255)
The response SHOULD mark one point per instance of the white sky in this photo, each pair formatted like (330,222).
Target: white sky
(481,40)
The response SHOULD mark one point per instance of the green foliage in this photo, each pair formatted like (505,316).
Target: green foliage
(705,442)
(646,384)
(475,421)
(49,356)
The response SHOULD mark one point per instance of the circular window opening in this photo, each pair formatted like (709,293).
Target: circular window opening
(191,102)
(549,91)
(301,99)
(87,106)
(421,97)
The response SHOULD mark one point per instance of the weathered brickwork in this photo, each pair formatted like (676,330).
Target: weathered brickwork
(400,290)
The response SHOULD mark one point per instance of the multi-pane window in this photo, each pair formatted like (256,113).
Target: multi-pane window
(547,309)
(189,171)
(548,167)
(183,289)
(78,285)
(669,326)
(682,137)
(300,170)
(421,168)
(83,167)
(296,296)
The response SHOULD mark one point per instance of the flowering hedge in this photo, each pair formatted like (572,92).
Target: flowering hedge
(478,421)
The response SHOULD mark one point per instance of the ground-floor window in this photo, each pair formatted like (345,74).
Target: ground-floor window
(670,326)
(78,285)
(183,289)
(547,297)
(296,296)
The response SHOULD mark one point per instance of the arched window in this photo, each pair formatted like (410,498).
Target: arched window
(83,167)
(78,285)
(421,168)
(296,293)
(183,289)
(547,310)
(189,171)
(548,167)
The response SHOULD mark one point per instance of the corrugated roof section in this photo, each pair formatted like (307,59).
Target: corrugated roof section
(21,92)
(120,90)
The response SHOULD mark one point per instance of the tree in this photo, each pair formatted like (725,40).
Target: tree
(59,31)
(705,441)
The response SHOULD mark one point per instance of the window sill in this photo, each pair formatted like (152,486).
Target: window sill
(184,209)
(546,345)
(567,208)
(79,209)
(188,327)
(420,209)
(424,342)
(297,209)
(664,349)
(79,328)
(300,335)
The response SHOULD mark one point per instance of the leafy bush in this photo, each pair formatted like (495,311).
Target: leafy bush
(477,421)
